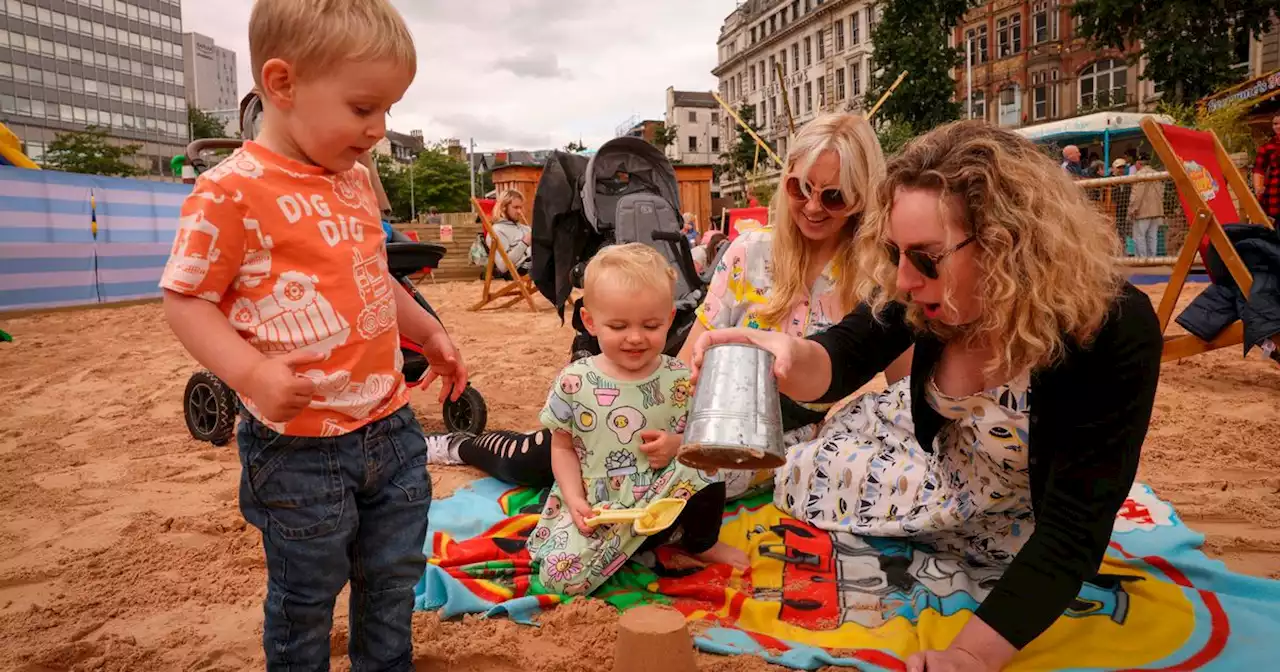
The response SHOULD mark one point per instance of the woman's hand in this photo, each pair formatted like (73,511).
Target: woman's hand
(785,349)
(949,660)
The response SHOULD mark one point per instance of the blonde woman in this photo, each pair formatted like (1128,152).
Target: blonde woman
(789,278)
(508,218)
(1016,438)
(796,276)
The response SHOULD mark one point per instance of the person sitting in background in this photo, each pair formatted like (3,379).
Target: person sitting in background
(508,213)
(706,252)
(690,228)
(1071,161)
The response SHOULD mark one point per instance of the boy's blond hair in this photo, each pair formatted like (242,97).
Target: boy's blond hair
(313,35)
(633,266)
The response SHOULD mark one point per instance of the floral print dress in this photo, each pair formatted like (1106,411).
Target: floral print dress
(969,495)
(605,417)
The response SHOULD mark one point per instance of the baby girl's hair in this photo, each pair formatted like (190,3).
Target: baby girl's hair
(314,35)
(633,266)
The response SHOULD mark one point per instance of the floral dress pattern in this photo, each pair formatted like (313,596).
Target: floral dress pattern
(605,416)
(738,290)
(866,474)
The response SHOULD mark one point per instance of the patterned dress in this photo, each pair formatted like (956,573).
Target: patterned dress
(866,474)
(738,290)
(605,416)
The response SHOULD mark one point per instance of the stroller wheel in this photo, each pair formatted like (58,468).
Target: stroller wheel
(468,414)
(210,408)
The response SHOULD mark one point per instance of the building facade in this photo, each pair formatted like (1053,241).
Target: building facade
(695,116)
(68,64)
(646,129)
(1030,66)
(403,148)
(805,57)
(211,80)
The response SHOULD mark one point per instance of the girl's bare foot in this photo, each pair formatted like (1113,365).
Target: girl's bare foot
(723,553)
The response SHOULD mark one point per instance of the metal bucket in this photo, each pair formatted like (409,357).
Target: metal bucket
(735,421)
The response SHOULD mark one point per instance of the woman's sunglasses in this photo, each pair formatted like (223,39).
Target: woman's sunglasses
(925,262)
(831,199)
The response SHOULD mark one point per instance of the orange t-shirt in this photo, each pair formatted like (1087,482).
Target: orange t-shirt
(295,257)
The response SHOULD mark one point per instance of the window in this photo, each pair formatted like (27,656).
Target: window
(795,57)
(693,143)
(871,19)
(8,103)
(6,70)
(753,34)
(1010,108)
(1103,84)
(822,48)
(24,106)
(64,82)
(838,32)
(979,102)
(1009,34)
(855,78)
(773,69)
(60,51)
(1240,52)
(782,62)
(795,100)
(840,84)
(752,70)
(1044,21)
(808,96)
(808,50)
(715,144)
(773,108)
(795,9)
(773,24)
(978,37)
(764,117)
(822,91)
(855,27)
(715,118)
(1044,97)
(693,117)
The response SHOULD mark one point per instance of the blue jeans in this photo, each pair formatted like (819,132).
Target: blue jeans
(332,509)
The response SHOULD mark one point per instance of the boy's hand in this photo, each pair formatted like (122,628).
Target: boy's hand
(581,511)
(659,446)
(278,390)
(446,364)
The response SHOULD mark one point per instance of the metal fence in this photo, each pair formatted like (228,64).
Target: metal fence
(1147,214)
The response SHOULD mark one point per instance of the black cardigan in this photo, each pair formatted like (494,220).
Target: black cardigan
(1089,416)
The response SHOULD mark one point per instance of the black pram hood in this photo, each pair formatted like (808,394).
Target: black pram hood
(560,233)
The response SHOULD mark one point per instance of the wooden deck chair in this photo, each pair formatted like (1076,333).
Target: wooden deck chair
(520,286)
(1202,173)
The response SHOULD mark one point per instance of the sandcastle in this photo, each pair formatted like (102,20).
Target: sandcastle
(653,637)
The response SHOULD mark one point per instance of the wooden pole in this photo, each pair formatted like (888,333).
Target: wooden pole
(761,143)
(786,100)
(886,95)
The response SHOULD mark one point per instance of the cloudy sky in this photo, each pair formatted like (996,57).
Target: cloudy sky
(528,74)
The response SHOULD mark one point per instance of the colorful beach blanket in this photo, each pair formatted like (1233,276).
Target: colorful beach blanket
(815,598)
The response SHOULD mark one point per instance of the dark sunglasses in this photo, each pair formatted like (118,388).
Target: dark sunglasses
(925,262)
(831,199)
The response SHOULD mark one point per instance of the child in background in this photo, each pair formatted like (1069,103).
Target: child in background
(616,420)
(278,283)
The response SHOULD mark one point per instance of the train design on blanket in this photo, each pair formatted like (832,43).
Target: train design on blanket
(815,598)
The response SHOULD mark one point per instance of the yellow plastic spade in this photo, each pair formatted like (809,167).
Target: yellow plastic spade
(652,519)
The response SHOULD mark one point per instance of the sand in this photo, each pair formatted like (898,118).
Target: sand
(122,546)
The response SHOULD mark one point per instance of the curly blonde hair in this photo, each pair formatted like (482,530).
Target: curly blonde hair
(861,165)
(1046,255)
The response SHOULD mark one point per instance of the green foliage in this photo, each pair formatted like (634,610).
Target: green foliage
(439,181)
(664,136)
(913,36)
(90,152)
(204,125)
(893,137)
(1188,43)
(740,157)
(1228,122)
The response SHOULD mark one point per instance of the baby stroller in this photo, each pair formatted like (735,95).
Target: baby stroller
(211,408)
(627,192)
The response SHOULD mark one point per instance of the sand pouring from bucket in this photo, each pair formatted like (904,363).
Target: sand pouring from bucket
(735,420)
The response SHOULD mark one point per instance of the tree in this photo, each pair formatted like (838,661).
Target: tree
(913,35)
(893,137)
(739,159)
(204,125)
(439,181)
(664,136)
(574,146)
(91,152)
(1189,44)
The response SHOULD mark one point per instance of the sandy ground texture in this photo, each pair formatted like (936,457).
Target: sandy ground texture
(122,546)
